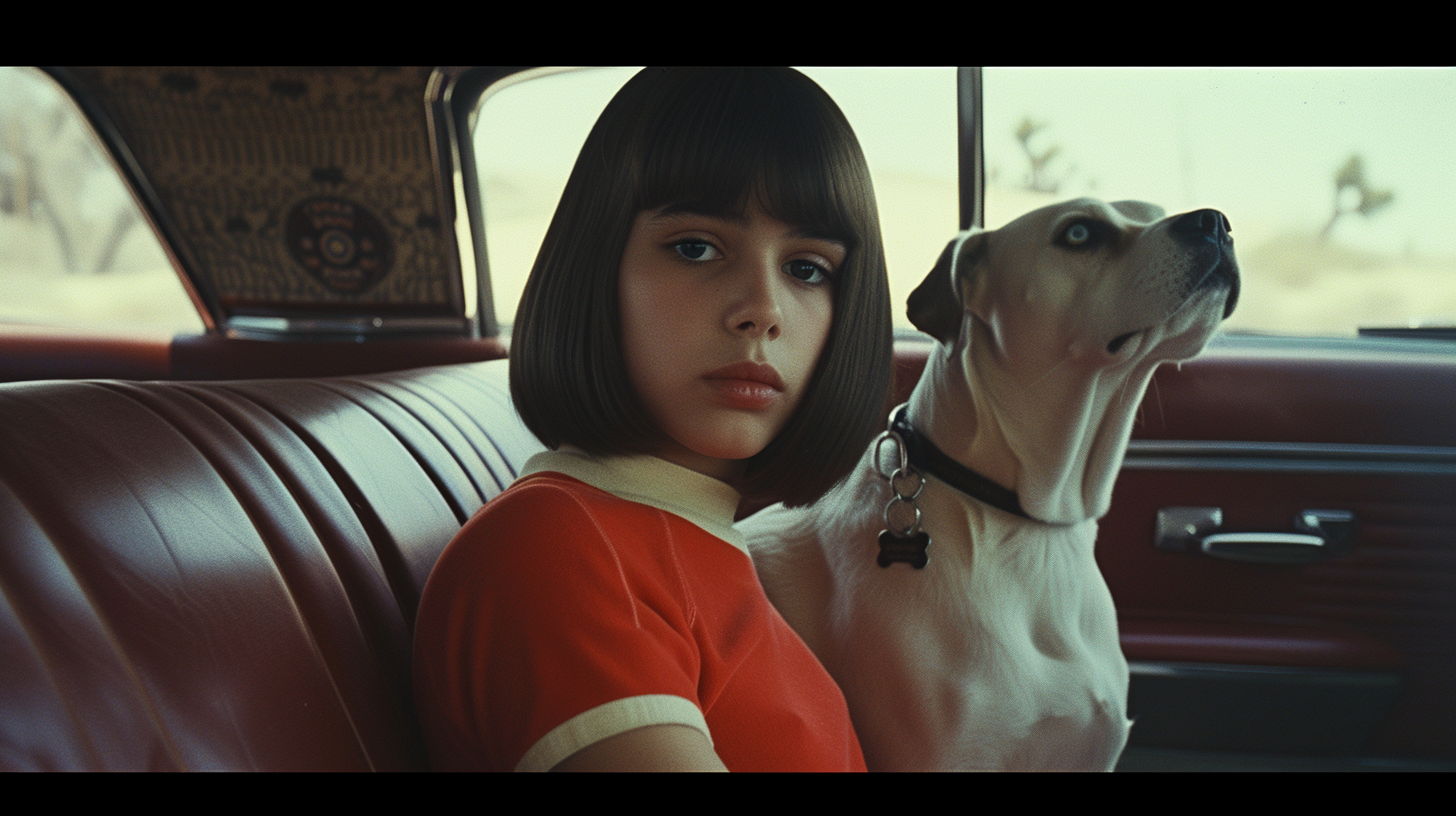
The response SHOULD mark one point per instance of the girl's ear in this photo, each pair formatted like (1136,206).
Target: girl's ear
(936,306)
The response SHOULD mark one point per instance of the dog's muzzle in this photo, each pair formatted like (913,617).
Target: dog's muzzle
(1206,232)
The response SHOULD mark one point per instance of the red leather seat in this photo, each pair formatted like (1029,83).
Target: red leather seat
(225,575)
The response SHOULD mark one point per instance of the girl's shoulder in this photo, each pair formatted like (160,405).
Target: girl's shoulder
(549,500)
(552,541)
(631,490)
(634,521)
(550,522)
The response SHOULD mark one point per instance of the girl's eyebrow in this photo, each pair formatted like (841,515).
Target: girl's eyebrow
(737,218)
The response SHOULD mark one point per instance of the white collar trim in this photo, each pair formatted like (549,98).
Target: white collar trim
(701,500)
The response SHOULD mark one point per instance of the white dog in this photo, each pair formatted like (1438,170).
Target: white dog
(1002,652)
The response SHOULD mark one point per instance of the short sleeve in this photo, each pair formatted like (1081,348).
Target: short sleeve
(552,621)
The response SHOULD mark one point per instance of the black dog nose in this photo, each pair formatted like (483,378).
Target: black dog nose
(1210,224)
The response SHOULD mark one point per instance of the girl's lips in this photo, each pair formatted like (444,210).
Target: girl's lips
(745,395)
(747,385)
(748,371)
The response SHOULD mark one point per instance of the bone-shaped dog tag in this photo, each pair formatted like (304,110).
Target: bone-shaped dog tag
(910,549)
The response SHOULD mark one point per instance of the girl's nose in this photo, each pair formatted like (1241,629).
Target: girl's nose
(755,309)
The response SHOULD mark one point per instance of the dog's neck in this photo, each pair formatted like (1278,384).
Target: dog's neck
(1056,438)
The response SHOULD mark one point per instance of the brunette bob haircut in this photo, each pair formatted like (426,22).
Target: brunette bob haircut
(722,140)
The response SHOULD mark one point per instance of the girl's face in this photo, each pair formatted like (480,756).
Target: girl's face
(723,320)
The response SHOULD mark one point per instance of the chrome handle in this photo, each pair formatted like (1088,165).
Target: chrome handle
(1319,533)
(1267,548)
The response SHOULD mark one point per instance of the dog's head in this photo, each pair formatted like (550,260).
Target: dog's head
(1056,321)
(1086,280)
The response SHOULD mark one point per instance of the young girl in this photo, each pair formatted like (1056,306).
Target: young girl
(708,319)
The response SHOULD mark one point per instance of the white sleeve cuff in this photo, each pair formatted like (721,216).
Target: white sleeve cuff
(608,720)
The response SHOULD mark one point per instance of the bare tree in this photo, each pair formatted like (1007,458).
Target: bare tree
(52,170)
(1361,198)
(1040,179)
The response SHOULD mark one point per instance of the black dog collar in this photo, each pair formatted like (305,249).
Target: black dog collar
(926,457)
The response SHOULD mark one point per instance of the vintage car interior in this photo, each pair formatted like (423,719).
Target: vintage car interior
(213,539)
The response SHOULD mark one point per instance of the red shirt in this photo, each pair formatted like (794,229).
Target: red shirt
(572,608)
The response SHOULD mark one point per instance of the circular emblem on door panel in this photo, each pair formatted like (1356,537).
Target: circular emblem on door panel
(340,243)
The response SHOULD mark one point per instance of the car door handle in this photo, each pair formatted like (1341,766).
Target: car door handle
(1318,533)
(1267,548)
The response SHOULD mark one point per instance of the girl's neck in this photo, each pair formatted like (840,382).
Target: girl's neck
(728,471)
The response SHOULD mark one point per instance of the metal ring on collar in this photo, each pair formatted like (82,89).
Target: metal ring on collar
(904,457)
(914,525)
(911,473)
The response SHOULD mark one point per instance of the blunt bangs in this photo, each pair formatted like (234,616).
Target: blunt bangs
(724,140)
(720,141)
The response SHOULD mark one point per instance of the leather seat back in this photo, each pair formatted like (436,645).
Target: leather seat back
(225,575)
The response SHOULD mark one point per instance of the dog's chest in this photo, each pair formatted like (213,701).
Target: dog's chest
(1001,653)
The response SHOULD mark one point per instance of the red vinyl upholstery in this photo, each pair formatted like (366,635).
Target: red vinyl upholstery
(225,575)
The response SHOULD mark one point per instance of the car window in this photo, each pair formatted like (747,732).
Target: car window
(1338,183)
(529,130)
(75,249)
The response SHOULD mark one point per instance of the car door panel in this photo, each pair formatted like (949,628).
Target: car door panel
(1350,654)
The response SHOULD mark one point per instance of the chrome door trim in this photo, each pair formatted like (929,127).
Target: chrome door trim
(1300,457)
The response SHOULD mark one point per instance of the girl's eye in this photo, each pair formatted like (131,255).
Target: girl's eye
(697,250)
(806,271)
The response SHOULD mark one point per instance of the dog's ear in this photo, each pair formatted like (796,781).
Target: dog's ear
(935,307)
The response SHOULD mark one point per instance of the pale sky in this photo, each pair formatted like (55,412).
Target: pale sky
(1262,145)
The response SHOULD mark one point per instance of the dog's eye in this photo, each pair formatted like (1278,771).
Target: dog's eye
(1078,234)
